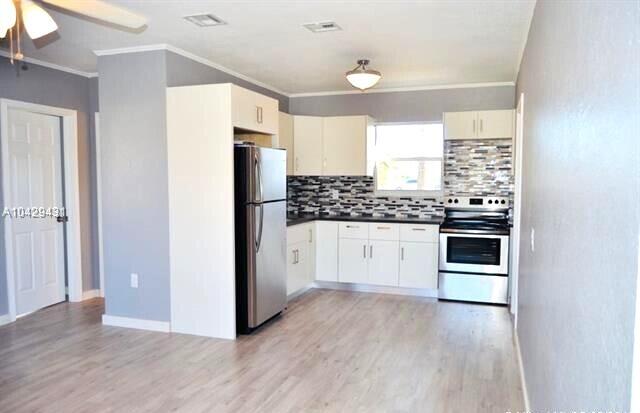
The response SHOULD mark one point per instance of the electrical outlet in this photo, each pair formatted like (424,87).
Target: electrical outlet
(134,280)
(533,240)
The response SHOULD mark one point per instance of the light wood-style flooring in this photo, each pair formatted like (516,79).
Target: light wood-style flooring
(332,351)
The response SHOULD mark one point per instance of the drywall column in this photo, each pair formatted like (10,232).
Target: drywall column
(135,208)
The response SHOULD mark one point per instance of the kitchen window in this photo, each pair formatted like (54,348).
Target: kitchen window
(407,159)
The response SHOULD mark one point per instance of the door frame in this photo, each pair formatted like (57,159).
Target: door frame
(98,153)
(516,233)
(72,195)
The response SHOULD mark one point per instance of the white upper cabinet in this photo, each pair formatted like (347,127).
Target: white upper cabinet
(335,145)
(344,145)
(486,124)
(253,111)
(495,124)
(285,138)
(307,145)
(460,125)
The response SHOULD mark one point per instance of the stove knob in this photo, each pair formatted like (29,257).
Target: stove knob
(450,200)
(455,201)
(490,202)
(503,202)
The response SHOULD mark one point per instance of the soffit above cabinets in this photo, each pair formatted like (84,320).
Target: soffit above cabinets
(413,43)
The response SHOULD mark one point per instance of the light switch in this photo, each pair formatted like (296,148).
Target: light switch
(134,280)
(533,240)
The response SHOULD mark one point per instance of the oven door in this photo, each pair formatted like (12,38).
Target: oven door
(475,253)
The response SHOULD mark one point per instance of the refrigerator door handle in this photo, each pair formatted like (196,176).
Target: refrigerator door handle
(259,235)
(258,171)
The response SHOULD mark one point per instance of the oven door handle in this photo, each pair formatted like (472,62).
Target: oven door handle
(473,231)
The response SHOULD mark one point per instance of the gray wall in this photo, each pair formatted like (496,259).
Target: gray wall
(425,105)
(134,184)
(184,72)
(581,188)
(50,87)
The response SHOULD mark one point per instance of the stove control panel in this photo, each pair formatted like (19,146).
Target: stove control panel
(487,202)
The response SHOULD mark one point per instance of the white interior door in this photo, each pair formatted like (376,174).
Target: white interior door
(35,176)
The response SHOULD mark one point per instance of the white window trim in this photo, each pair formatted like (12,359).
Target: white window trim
(408,193)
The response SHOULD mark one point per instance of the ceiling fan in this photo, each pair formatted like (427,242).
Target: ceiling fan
(38,23)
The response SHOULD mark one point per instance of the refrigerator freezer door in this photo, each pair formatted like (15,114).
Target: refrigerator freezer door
(272,174)
(267,286)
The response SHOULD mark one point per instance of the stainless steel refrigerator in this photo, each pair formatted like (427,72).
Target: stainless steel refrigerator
(261,234)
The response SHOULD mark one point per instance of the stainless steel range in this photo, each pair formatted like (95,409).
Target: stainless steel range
(474,250)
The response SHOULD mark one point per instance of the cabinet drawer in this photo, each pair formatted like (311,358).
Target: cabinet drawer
(384,231)
(419,233)
(357,230)
(300,233)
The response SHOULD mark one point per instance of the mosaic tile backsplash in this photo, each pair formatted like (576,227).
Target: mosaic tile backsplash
(472,168)
(353,195)
(478,168)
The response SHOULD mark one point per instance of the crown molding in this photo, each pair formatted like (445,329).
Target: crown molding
(52,65)
(207,62)
(191,56)
(403,89)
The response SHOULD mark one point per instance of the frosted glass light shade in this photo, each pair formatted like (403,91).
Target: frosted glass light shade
(36,20)
(363,79)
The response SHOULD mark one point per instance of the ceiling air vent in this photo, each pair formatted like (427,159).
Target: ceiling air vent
(321,27)
(205,20)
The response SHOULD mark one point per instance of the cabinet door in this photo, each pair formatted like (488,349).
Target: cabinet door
(253,111)
(326,251)
(495,124)
(344,142)
(419,265)
(352,261)
(285,138)
(307,145)
(297,267)
(460,125)
(383,262)
(267,116)
(311,242)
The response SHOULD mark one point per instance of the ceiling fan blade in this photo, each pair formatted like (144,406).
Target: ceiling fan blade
(101,10)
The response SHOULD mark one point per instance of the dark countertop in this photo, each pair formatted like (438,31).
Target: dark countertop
(295,219)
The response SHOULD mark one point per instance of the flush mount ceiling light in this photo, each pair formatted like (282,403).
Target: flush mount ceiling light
(38,23)
(361,77)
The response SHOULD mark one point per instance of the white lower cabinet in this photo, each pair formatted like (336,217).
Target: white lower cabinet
(390,255)
(327,251)
(353,261)
(383,262)
(301,249)
(298,275)
(418,265)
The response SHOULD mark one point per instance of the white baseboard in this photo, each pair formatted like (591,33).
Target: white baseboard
(5,319)
(416,292)
(138,323)
(298,293)
(87,295)
(523,381)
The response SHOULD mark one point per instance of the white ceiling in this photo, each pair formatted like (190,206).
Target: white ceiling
(413,43)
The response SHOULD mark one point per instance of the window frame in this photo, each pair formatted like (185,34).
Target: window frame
(396,193)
